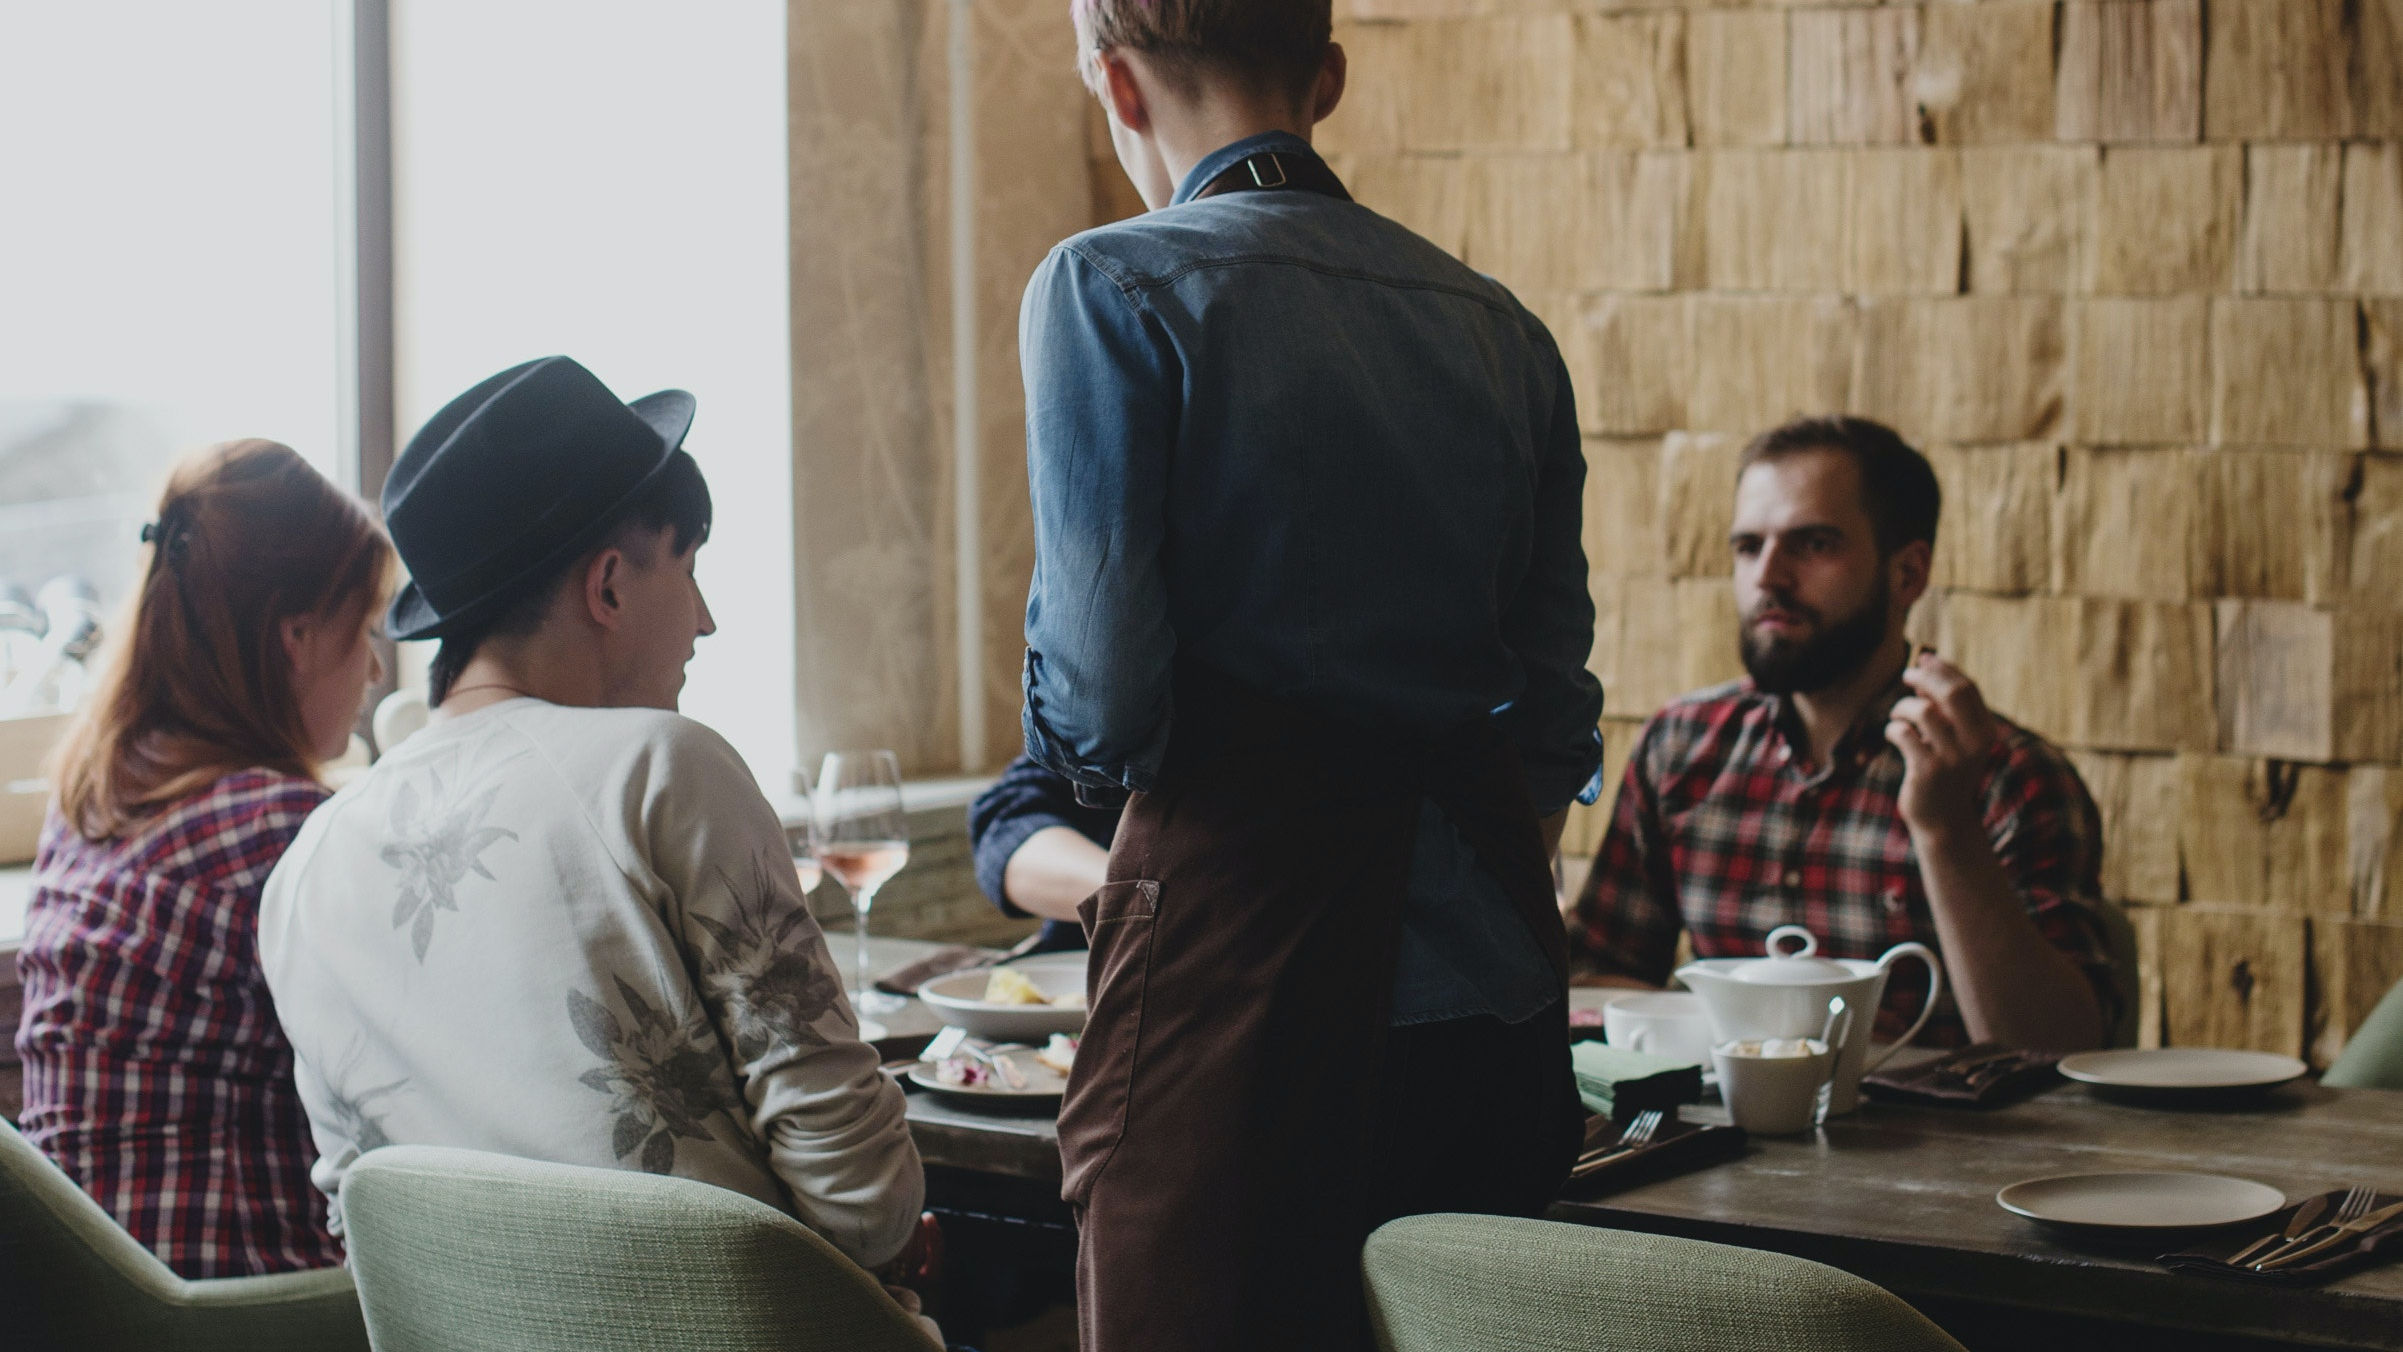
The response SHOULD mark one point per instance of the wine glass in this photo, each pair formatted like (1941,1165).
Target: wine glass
(861,839)
(805,858)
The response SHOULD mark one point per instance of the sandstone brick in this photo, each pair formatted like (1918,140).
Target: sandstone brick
(1630,83)
(2374,568)
(2273,525)
(2166,219)
(2021,651)
(2373,218)
(1849,76)
(2130,70)
(2143,370)
(2275,70)
(2301,684)
(2374,836)
(1905,221)
(1774,220)
(1627,355)
(1707,653)
(2291,219)
(1499,83)
(2029,212)
(1997,529)
(1968,368)
(2122,525)
(1759,360)
(2287,373)
(1624,535)
(2264,833)
(1697,491)
(2382,370)
(1428,193)
(2143,676)
(2375,68)
(2353,965)
(2233,978)
(1984,72)
(2138,799)
(1735,75)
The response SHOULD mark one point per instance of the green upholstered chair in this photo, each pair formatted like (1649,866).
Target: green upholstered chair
(462,1251)
(2373,1056)
(72,1279)
(1488,1283)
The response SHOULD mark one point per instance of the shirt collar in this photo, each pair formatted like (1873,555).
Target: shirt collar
(1227,157)
(1864,741)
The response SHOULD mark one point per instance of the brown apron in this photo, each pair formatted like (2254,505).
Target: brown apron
(1218,1131)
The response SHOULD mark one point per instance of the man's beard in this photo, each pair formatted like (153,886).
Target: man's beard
(1806,666)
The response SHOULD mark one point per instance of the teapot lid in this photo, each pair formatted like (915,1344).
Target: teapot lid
(1797,968)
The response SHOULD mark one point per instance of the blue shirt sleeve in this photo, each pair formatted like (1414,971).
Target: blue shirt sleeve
(1102,407)
(1026,798)
(1549,624)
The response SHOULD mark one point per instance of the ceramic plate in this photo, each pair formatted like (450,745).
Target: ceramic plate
(1042,1082)
(2183,1070)
(2137,1204)
(958,998)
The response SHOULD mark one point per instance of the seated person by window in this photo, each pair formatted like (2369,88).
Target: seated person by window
(560,922)
(1848,786)
(1039,852)
(156,1073)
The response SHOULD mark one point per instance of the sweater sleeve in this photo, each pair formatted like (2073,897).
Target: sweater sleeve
(832,1123)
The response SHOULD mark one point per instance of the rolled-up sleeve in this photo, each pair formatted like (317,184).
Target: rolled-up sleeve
(1549,623)
(1102,399)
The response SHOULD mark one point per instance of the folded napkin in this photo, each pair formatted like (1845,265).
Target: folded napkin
(1619,1084)
(1981,1075)
(2366,1249)
(909,976)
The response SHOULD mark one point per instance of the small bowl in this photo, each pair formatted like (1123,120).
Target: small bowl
(956,998)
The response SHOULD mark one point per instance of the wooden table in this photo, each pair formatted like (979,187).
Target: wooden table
(1905,1197)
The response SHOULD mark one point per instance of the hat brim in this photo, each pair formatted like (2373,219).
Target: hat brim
(412,617)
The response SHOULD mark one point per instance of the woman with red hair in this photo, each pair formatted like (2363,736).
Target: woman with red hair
(156,1074)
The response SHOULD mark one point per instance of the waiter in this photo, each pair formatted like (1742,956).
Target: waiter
(1308,586)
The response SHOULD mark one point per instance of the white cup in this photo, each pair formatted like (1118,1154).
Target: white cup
(1773,1087)
(1659,1023)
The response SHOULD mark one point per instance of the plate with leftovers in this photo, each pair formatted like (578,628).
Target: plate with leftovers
(1006,1071)
(1023,1001)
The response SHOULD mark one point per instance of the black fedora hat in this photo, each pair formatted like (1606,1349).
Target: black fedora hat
(514,479)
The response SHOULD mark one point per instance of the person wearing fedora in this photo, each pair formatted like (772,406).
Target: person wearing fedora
(561,921)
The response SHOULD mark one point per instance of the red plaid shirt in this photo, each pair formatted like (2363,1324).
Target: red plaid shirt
(1724,829)
(156,1074)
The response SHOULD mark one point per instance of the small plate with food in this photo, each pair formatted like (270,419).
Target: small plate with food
(1006,1071)
(1024,1001)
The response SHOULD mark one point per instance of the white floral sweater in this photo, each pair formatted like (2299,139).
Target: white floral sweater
(576,935)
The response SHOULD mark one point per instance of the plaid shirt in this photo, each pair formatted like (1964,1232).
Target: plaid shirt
(1724,828)
(156,1074)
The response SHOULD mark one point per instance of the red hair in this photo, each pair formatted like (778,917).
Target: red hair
(196,683)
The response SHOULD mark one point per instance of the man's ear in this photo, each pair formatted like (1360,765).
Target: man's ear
(602,578)
(1121,92)
(1328,92)
(1908,571)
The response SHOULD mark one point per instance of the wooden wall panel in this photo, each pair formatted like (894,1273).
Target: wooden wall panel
(2233,978)
(2273,525)
(2373,218)
(2142,370)
(2121,525)
(2140,800)
(2287,373)
(2277,70)
(2264,833)
(2382,370)
(1735,77)
(2353,964)
(2292,220)
(1969,368)
(2130,70)
(1984,72)
(1997,534)
(1630,79)
(2028,215)
(1849,76)
(2166,219)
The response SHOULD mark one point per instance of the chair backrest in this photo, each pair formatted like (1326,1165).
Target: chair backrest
(1488,1283)
(463,1251)
(70,1277)
(2373,1055)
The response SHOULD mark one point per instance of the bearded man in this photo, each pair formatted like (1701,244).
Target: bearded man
(1848,786)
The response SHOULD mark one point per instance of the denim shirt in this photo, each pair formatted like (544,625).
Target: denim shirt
(1282,435)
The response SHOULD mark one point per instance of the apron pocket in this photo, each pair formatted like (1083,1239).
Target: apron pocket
(1093,1114)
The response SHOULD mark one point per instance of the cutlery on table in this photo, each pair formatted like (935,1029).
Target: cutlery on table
(1639,1133)
(2305,1219)
(2330,1237)
(946,1045)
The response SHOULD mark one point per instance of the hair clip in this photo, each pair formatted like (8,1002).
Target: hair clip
(151,532)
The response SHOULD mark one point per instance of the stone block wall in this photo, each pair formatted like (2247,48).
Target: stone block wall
(2131,271)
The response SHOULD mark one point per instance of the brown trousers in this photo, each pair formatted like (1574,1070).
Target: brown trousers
(1223,1136)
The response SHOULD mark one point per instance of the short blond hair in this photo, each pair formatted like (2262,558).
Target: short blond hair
(1272,44)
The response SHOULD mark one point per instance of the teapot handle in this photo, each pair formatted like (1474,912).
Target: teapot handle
(1810,942)
(1935,988)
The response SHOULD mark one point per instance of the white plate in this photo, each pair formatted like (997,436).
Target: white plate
(1042,1082)
(2183,1069)
(956,999)
(2138,1203)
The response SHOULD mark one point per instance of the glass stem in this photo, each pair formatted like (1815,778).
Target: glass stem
(860,902)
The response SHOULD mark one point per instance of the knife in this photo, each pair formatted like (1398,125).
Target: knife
(2306,1219)
(2367,1223)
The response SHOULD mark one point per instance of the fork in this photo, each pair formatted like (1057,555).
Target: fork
(2355,1206)
(2305,1220)
(1639,1133)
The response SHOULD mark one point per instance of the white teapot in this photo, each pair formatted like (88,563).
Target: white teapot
(1786,994)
